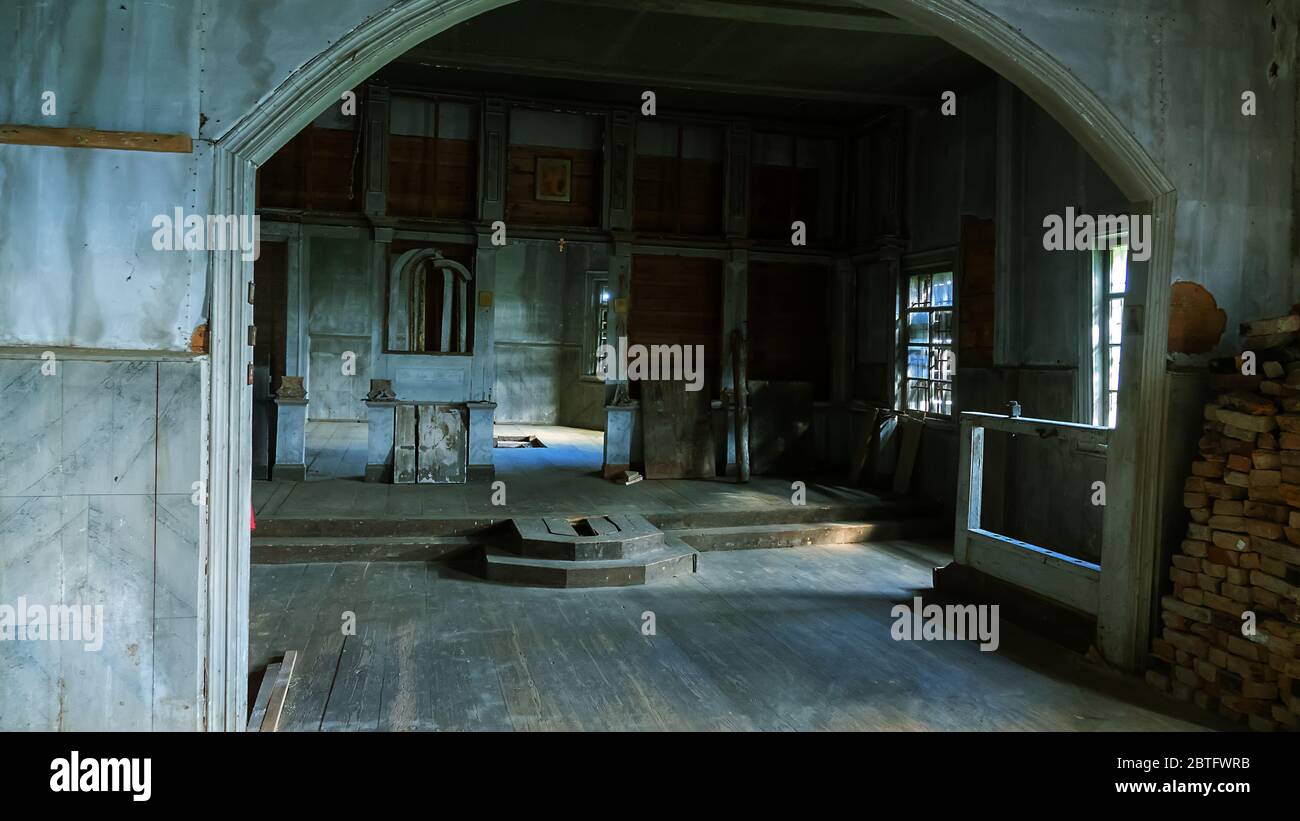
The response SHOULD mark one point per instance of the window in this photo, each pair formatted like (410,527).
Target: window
(931,358)
(597,327)
(1109,281)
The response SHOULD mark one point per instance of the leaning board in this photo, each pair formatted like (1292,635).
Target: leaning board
(677,430)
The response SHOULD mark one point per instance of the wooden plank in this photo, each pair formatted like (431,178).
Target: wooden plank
(1042,428)
(279,691)
(907,451)
(970,476)
(14,134)
(740,392)
(560,527)
(442,449)
(678,429)
(1072,582)
(258,715)
(862,445)
(404,457)
(780,428)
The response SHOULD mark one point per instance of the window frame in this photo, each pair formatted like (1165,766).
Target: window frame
(941,261)
(1099,318)
(595,282)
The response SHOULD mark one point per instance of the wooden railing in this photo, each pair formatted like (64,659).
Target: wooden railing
(1064,579)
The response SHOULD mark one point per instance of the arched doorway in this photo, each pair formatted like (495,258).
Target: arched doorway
(1130,539)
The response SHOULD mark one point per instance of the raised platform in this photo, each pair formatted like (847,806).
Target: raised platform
(294,539)
(586,551)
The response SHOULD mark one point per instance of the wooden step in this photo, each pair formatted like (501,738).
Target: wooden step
(602,538)
(673,558)
(759,537)
(301,549)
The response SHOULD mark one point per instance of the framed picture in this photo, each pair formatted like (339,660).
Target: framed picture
(553,180)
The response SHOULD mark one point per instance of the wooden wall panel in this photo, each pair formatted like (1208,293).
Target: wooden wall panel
(678,301)
(430,177)
(522,206)
(779,195)
(318,170)
(271,307)
(678,196)
(976,300)
(789,324)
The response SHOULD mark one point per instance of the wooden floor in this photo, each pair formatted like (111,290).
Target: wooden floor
(336,450)
(787,639)
(562,478)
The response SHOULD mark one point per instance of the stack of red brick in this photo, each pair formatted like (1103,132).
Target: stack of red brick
(1231,627)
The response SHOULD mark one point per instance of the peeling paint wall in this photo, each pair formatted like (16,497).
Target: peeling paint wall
(77,263)
(1174,72)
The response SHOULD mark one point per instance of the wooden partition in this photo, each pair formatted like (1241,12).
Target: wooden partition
(1064,579)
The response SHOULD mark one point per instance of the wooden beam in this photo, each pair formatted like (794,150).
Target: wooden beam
(15,134)
(427,56)
(808,15)
(1064,579)
(1042,428)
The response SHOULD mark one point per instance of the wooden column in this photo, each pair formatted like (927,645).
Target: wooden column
(375,122)
(736,202)
(492,162)
(483,371)
(620,141)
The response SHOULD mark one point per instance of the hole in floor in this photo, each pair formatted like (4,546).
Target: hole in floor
(517,442)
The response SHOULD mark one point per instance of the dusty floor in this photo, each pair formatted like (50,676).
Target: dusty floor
(563,477)
(759,639)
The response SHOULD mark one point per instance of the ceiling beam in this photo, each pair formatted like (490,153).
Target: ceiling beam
(826,15)
(425,55)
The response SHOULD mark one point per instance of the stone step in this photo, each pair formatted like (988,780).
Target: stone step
(300,549)
(758,537)
(673,558)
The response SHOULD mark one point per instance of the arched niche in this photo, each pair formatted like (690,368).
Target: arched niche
(415,297)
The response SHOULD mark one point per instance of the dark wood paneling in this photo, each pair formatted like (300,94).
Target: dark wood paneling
(318,170)
(788,324)
(430,177)
(779,195)
(522,205)
(975,302)
(676,196)
(271,307)
(678,301)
